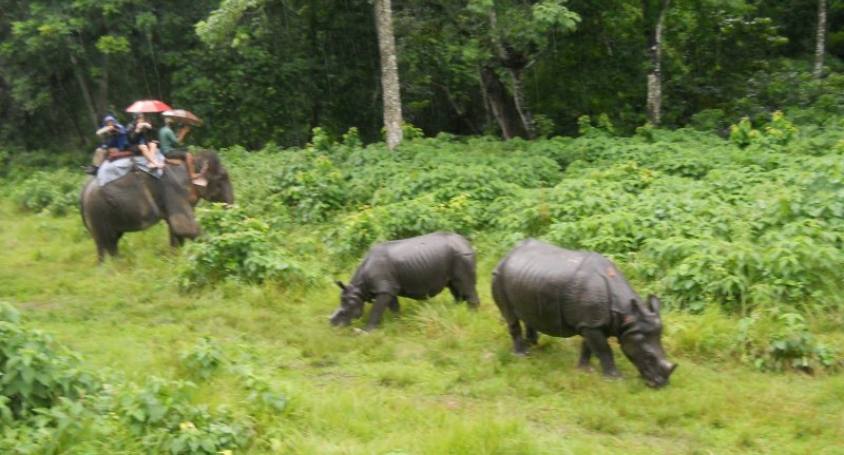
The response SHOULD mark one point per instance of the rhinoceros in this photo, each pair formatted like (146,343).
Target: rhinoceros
(563,293)
(418,268)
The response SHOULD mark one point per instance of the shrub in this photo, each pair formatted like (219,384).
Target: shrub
(203,359)
(358,231)
(312,185)
(49,404)
(782,341)
(55,192)
(778,132)
(36,374)
(160,413)
(237,246)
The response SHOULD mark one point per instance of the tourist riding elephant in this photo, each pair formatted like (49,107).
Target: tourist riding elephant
(138,200)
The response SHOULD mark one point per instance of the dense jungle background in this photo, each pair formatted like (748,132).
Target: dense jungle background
(699,144)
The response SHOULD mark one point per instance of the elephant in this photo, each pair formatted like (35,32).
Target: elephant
(138,200)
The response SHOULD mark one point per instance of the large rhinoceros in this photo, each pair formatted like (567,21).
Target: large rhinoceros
(418,268)
(563,293)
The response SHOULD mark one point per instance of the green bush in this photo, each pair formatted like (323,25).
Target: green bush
(312,185)
(239,247)
(358,231)
(778,132)
(48,403)
(35,374)
(782,341)
(161,415)
(203,359)
(55,192)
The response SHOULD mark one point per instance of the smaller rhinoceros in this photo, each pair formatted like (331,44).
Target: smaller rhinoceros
(563,293)
(418,268)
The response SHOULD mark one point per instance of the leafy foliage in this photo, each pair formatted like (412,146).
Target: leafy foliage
(783,343)
(160,412)
(203,359)
(35,374)
(56,192)
(238,247)
(48,402)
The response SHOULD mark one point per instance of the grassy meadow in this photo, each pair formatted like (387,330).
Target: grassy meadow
(243,314)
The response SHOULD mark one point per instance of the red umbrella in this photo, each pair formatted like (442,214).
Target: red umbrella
(148,106)
(185,116)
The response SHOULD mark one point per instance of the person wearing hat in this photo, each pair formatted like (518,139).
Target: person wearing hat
(114,138)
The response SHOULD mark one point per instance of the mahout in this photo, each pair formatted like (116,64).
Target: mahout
(139,200)
(417,268)
(563,293)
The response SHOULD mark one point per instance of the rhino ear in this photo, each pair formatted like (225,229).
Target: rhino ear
(637,306)
(654,303)
(340,284)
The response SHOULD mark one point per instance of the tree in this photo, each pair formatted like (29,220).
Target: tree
(820,42)
(389,72)
(656,23)
(486,44)
(518,34)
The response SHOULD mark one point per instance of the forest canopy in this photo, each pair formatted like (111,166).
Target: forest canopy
(262,71)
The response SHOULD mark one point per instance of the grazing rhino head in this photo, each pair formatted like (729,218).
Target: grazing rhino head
(641,342)
(351,305)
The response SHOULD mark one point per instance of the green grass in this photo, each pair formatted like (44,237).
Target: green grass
(435,379)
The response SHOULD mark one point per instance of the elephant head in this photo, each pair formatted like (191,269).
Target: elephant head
(219,188)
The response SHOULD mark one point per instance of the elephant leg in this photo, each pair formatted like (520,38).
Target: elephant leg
(175,240)
(110,244)
(101,252)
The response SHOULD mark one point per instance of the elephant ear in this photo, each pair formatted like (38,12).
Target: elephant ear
(340,284)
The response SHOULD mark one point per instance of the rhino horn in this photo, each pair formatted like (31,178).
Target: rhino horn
(340,284)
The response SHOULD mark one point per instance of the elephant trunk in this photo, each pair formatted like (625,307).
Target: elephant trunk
(183,225)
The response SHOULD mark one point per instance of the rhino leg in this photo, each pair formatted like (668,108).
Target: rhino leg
(585,356)
(520,347)
(598,344)
(513,324)
(394,305)
(382,301)
(531,335)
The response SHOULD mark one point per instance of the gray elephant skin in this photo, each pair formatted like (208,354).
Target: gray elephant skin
(417,268)
(138,200)
(563,293)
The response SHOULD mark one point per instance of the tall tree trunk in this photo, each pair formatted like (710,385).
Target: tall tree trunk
(102,96)
(654,99)
(390,88)
(317,89)
(515,63)
(501,104)
(83,87)
(820,44)
(520,102)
